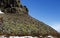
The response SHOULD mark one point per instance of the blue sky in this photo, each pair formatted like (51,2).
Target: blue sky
(47,11)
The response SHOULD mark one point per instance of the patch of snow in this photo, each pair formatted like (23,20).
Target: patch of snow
(50,36)
(1,12)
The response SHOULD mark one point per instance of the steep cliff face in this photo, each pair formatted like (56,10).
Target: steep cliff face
(17,21)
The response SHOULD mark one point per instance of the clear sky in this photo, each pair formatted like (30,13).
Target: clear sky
(47,11)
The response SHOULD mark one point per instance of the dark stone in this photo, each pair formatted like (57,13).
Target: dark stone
(26,8)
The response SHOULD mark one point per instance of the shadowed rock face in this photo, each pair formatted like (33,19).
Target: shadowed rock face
(9,3)
(12,6)
(17,22)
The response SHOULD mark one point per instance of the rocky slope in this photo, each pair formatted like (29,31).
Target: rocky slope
(17,22)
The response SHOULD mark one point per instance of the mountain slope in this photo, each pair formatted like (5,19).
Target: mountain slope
(17,22)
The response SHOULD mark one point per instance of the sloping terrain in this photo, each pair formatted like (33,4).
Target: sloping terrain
(22,24)
(17,22)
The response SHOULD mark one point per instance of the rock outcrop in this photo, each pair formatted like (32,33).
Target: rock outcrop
(12,6)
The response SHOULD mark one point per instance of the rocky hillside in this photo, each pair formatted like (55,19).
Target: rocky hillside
(17,22)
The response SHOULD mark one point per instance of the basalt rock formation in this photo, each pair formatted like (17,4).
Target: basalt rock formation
(17,22)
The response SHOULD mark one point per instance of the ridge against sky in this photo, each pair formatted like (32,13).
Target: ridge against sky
(47,11)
